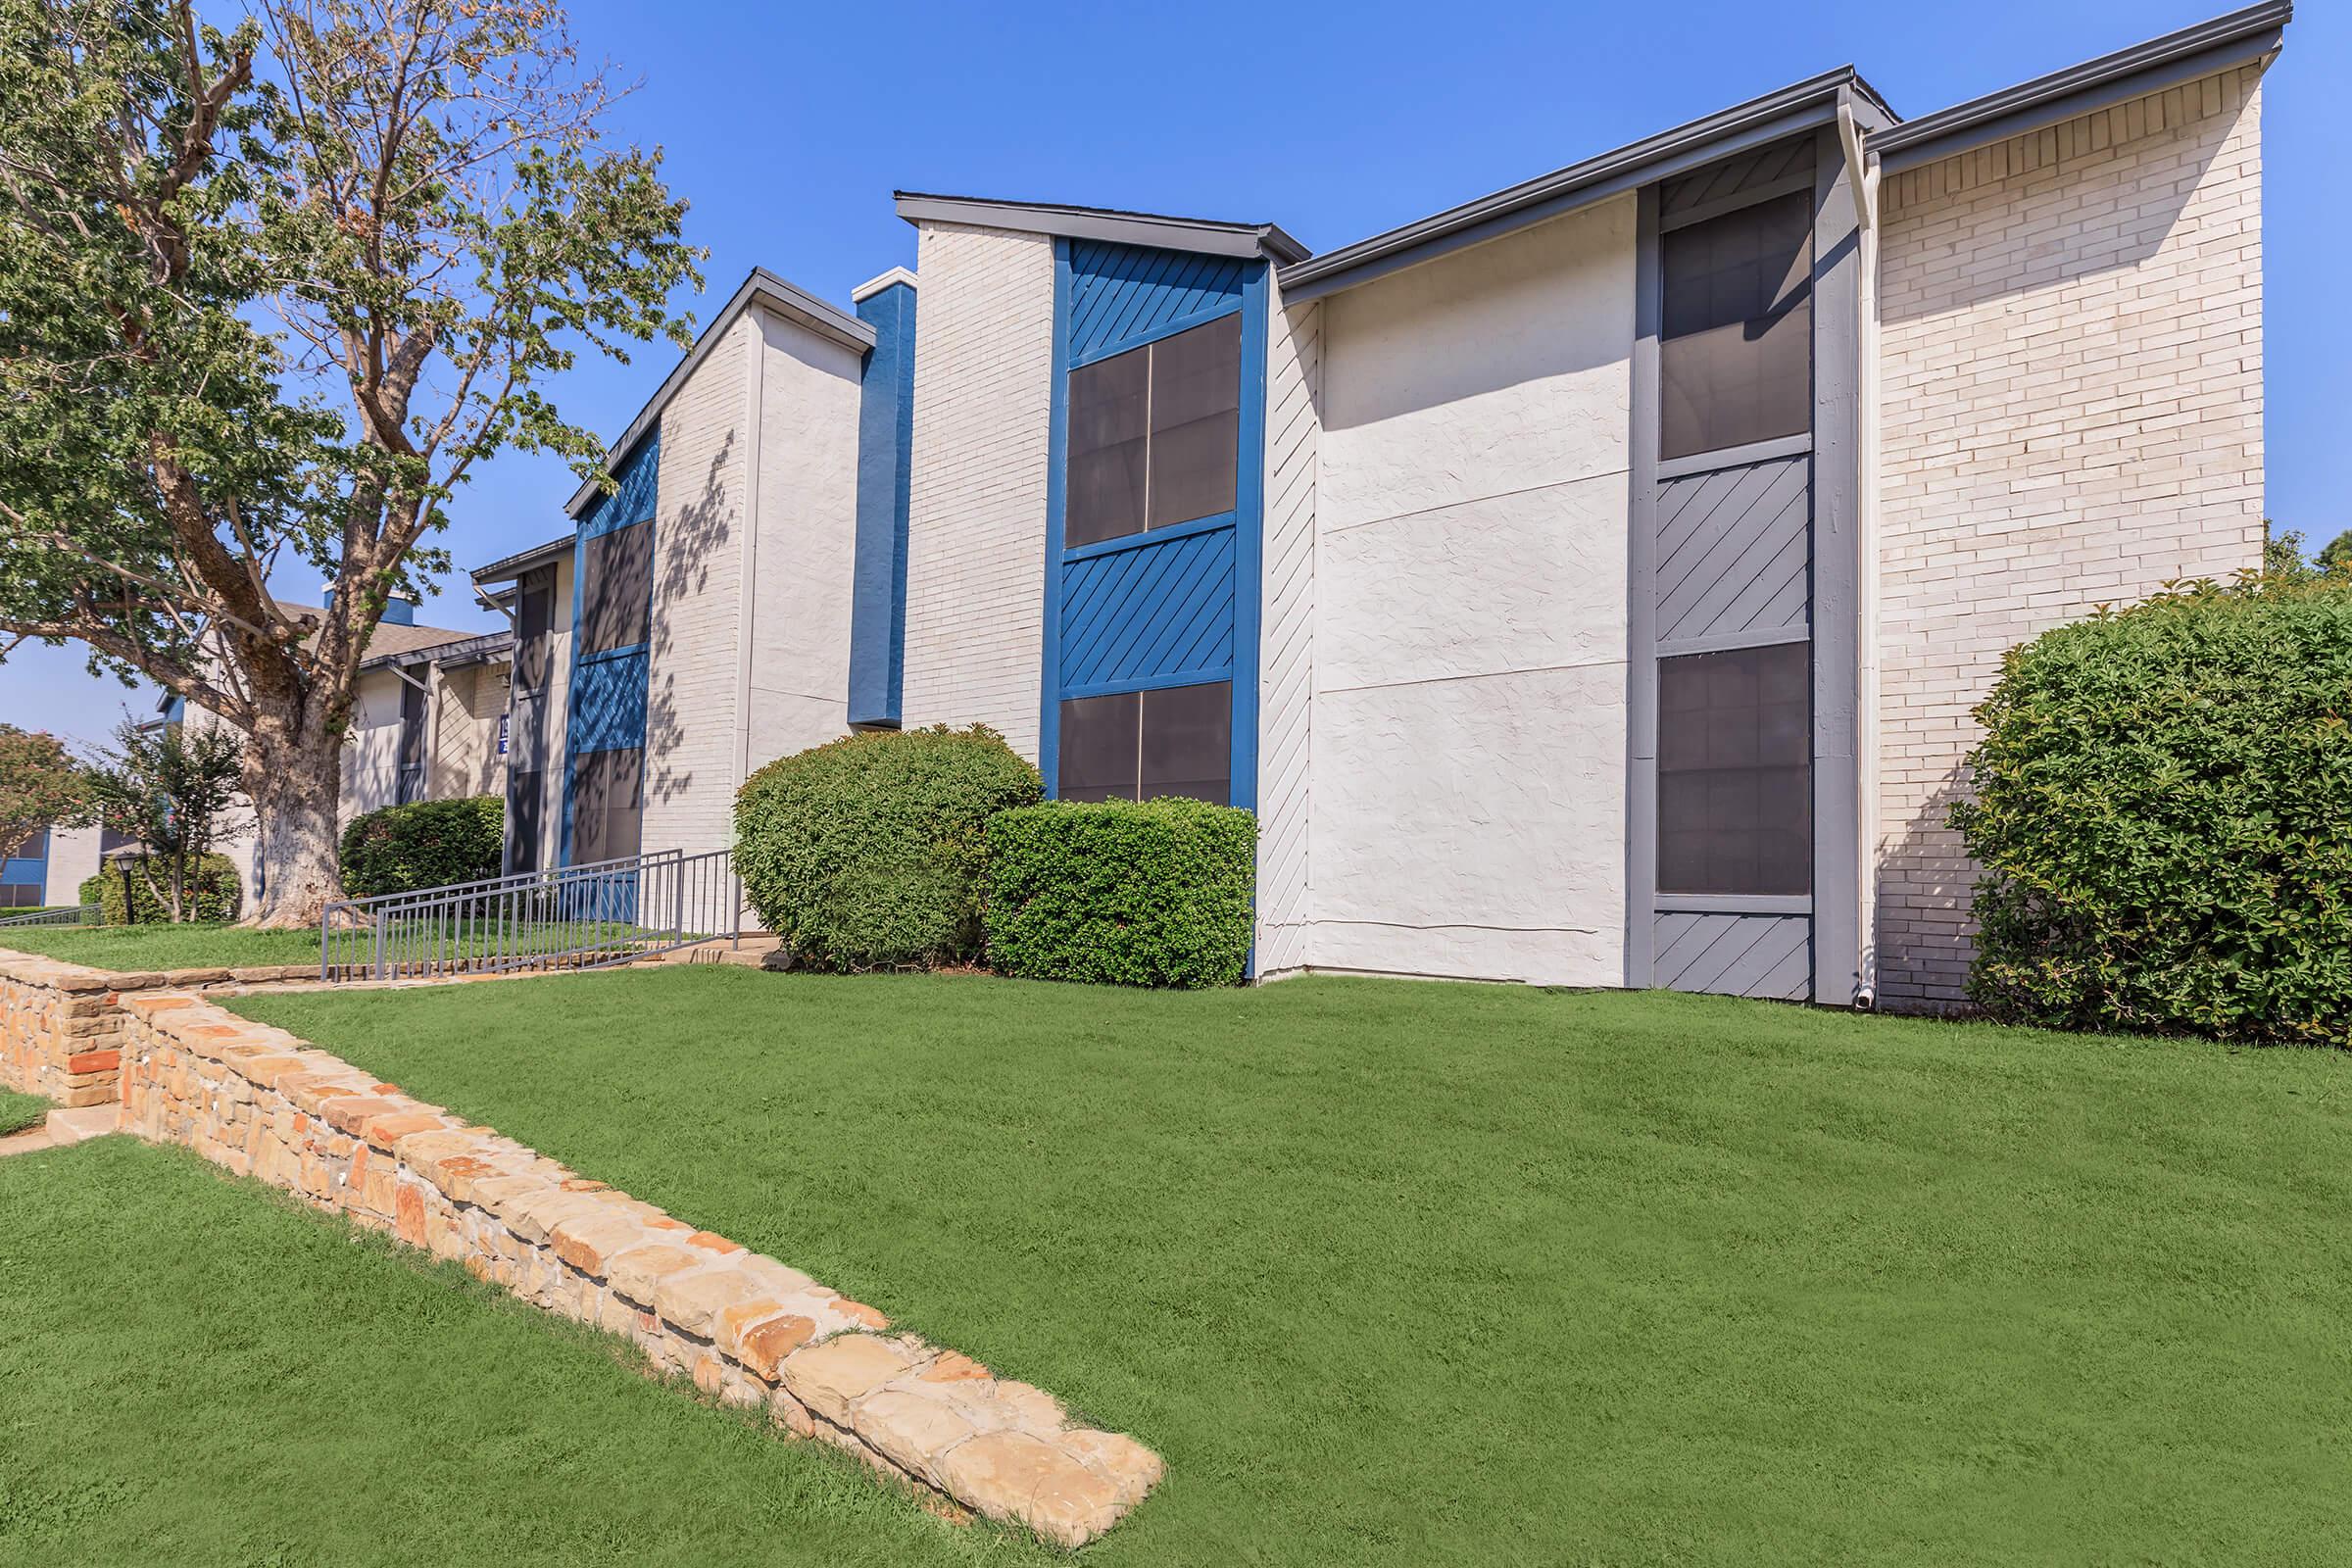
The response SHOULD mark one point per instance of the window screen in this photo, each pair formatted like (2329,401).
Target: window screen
(525,803)
(534,628)
(1154,434)
(617,601)
(1735,781)
(1138,746)
(1735,351)
(1109,428)
(21,895)
(607,806)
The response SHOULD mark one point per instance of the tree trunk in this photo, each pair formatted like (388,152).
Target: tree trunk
(296,787)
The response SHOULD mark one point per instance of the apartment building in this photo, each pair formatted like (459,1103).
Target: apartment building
(1588,584)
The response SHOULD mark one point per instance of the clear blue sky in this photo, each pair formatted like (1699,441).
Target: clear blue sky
(788,129)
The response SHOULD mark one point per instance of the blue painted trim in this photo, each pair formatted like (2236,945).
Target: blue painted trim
(1149,537)
(1249,572)
(1057,455)
(1249,501)
(1152,683)
(885,490)
(1182,324)
(633,651)
(634,500)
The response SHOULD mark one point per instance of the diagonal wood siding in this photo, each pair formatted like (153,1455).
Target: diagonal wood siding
(1769,956)
(1733,550)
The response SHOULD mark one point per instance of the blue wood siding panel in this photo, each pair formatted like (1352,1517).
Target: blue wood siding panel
(1123,294)
(604,705)
(608,703)
(885,475)
(1142,614)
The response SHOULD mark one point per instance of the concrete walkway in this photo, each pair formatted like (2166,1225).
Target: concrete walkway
(61,1128)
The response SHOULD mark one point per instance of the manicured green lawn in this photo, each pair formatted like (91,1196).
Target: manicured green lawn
(20,1111)
(1413,1274)
(195,1371)
(126,949)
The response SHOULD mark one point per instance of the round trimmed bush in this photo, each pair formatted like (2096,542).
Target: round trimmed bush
(425,843)
(2163,812)
(1117,892)
(868,852)
(212,894)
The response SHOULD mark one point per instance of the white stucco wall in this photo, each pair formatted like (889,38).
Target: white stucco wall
(73,861)
(1469,620)
(805,556)
(372,750)
(977,528)
(464,760)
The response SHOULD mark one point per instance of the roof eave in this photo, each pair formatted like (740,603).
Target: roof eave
(2190,54)
(1159,231)
(509,568)
(764,288)
(472,649)
(1796,107)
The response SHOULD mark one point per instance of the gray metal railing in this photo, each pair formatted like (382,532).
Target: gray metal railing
(574,918)
(88,914)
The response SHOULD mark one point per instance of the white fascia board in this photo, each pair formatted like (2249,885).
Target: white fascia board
(764,288)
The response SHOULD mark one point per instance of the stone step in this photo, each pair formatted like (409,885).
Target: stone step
(84,1122)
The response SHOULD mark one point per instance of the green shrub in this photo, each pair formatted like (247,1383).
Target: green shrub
(866,853)
(212,894)
(425,843)
(1122,894)
(2163,812)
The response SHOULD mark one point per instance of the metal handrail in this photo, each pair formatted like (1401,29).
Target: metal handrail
(85,914)
(588,916)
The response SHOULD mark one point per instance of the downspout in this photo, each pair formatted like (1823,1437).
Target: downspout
(1863,170)
(747,597)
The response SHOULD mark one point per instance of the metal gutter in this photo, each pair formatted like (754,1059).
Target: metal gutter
(1800,106)
(762,287)
(1204,236)
(508,568)
(2240,37)
(455,653)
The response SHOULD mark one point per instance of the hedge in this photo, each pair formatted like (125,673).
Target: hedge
(212,894)
(1157,893)
(424,844)
(866,853)
(2163,812)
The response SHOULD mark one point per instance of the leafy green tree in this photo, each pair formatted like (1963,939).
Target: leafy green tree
(268,297)
(41,785)
(174,788)
(2335,555)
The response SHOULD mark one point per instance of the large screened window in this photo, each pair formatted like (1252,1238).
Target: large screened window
(607,805)
(1137,746)
(1735,776)
(1154,434)
(1735,341)
(411,740)
(616,600)
(534,628)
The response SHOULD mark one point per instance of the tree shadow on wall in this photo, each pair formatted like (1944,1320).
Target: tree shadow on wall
(1926,883)
(684,544)
(2095,218)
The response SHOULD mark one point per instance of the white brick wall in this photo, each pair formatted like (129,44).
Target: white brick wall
(806,554)
(690,716)
(2071,352)
(976,528)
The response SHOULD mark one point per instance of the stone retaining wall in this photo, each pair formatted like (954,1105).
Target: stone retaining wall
(747,1329)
